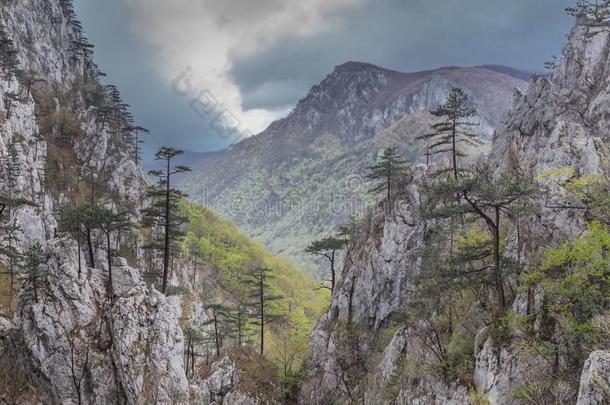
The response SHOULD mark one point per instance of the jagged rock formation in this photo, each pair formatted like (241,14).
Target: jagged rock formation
(286,186)
(562,120)
(65,341)
(595,380)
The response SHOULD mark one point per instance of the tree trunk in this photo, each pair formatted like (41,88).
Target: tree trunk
(216,337)
(90,246)
(389,180)
(109,257)
(454,149)
(332,272)
(166,247)
(497,269)
(262,315)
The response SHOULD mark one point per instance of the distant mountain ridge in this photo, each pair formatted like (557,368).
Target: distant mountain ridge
(307,160)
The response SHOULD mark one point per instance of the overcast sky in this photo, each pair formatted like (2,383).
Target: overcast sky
(181,63)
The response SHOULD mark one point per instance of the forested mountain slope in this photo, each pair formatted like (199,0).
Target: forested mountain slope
(304,175)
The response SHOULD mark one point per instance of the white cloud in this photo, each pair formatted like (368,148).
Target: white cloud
(206,35)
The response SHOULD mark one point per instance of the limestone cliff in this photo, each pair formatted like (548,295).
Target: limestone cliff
(361,353)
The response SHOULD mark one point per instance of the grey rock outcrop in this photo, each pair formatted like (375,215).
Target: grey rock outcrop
(595,380)
(221,386)
(67,340)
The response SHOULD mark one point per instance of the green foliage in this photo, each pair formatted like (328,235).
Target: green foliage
(33,259)
(163,215)
(388,174)
(327,248)
(68,127)
(575,280)
(225,254)
(478,398)
(448,135)
(479,195)
(597,12)
(177,290)
(593,191)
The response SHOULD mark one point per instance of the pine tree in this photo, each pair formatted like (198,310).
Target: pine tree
(488,199)
(81,220)
(164,211)
(219,315)
(112,223)
(327,247)
(193,337)
(34,258)
(596,12)
(446,136)
(257,282)
(237,323)
(9,228)
(137,141)
(388,173)
(28,79)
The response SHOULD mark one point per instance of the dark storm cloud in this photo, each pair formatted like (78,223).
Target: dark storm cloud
(404,35)
(408,35)
(129,65)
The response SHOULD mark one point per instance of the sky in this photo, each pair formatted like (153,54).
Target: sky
(202,74)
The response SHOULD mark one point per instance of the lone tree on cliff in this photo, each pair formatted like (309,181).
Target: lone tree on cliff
(111,223)
(597,12)
(387,174)
(164,211)
(448,135)
(327,248)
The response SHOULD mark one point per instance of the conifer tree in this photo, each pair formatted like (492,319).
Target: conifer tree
(237,323)
(137,141)
(34,258)
(112,223)
(219,315)
(327,247)
(81,220)
(387,173)
(595,12)
(447,135)
(11,167)
(193,337)
(488,199)
(164,211)
(261,300)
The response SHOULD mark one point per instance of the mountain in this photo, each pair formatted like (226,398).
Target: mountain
(305,174)
(377,343)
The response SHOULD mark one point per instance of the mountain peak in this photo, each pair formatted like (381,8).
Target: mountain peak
(354,66)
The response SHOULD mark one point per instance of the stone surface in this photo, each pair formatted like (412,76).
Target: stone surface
(595,380)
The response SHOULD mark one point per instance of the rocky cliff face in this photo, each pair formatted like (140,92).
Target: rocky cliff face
(65,341)
(561,121)
(305,173)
